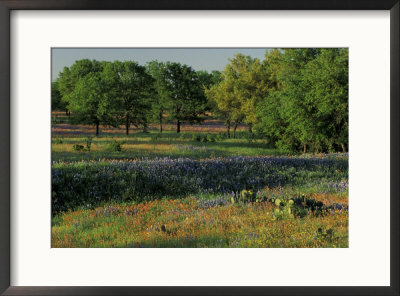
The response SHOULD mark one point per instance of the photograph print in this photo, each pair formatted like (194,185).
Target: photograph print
(199,148)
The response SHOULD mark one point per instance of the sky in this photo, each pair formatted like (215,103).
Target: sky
(198,58)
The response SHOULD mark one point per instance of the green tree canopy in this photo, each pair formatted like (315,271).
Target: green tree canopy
(130,88)
(188,101)
(308,109)
(161,99)
(243,85)
(56,98)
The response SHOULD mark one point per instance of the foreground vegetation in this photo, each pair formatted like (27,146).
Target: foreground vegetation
(197,143)
(161,155)
(95,182)
(196,189)
(201,222)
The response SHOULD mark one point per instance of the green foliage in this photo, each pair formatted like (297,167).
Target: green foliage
(295,99)
(204,139)
(243,85)
(220,137)
(130,88)
(283,209)
(188,100)
(210,138)
(56,98)
(86,94)
(89,140)
(247,196)
(161,99)
(325,234)
(115,146)
(78,147)
(155,137)
(58,140)
(308,109)
(196,137)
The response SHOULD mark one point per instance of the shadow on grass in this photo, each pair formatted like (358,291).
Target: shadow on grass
(187,241)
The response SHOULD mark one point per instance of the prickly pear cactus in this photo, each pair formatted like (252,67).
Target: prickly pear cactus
(284,209)
(246,196)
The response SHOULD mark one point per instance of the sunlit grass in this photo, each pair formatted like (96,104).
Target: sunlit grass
(184,220)
(184,223)
(153,145)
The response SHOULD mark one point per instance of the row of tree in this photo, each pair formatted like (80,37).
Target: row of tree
(126,93)
(296,98)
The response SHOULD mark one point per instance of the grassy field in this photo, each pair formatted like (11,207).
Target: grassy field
(194,189)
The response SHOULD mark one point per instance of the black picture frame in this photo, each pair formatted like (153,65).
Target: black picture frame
(7,5)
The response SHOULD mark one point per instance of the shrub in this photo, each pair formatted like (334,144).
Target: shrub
(89,140)
(78,147)
(210,138)
(196,137)
(155,137)
(220,137)
(115,146)
(58,140)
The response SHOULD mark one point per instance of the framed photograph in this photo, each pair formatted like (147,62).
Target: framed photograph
(199,148)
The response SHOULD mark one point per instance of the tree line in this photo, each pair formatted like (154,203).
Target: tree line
(295,98)
(126,93)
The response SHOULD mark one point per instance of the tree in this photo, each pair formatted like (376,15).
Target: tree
(162,98)
(207,80)
(86,95)
(327,76)
(270,122)
(90,102)
(298,115)
(308,109)
(188,101)
(244,84)
(250,85)
(56,102)
(129,86)
(226,104)
(69,77)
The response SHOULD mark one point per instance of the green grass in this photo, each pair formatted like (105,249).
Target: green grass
(96,205)
(168,144)
(189,223)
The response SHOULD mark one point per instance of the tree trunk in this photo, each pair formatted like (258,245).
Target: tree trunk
(304,148)
(145,127)
(234,130)
(127,125)
(343,147)
(250,128)
(160,122)
(127,129)
(228,129)
(97,128)
(178,124)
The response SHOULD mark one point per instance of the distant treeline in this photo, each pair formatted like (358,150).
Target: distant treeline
(295,98)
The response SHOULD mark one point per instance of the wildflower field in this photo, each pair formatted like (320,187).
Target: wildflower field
(193,189)
(235,151)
